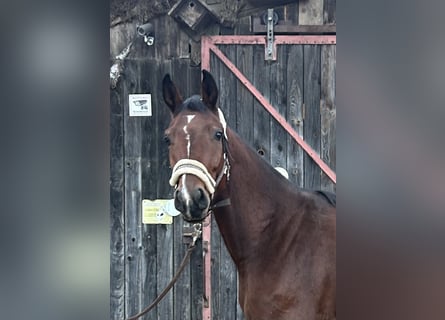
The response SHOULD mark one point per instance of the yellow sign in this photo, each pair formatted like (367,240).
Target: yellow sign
(155,212)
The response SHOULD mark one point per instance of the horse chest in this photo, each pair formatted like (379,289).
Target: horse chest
(266,307)
(285,294)
(267,299)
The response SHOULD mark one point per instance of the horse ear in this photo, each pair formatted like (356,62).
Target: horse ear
(209,90)
(171,95)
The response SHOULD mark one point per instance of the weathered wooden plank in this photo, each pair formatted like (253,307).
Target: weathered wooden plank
(196,274)
(244,99)
(163,117)
(117,226)
(278,98)
(228,273)
(132,142)
(228,286)
(291,13)
(227,86)
(195,54)
(224,271)
(147,244)
(168,42)
(270,3)
(244,125)
(165,268)
(261,118)
(192,85)
(183,47)
(132,185)
(295,73)
(329,11)
(328,112)
(149,143)
(181,290)
(215,237)
(171,31)
(136,268)
(243,26)
(164,232)
(289,27)
(215,271)
(311,12)
(228,280)
(311,96)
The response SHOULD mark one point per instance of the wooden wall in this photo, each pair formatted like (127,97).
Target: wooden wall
(300,84)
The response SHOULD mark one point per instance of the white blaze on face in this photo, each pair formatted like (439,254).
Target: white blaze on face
(184,191)
(187,135)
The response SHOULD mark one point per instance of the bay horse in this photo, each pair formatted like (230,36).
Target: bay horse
(281,238)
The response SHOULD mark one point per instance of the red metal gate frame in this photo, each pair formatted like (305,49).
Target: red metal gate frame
(208,43)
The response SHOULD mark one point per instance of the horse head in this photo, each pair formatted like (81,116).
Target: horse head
(196,138)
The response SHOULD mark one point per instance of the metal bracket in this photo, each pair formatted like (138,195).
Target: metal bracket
(205,297)
(192,234)
(271,48)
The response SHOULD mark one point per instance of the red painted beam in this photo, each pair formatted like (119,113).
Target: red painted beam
(206,229)
(297,39)
(205,53)
(206,244)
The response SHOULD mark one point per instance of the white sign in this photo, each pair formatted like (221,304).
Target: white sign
(140,105)
(153,212)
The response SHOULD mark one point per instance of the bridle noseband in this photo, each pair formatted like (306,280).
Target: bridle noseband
(198,169)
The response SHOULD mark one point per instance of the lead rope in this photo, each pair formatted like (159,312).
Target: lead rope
(195,234)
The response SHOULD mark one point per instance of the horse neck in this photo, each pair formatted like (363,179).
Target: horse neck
(255,191)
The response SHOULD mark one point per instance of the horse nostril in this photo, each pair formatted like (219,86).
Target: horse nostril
(180,203)
(200,198)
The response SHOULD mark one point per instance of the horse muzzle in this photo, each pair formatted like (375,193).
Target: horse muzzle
(192,202)
(194,186)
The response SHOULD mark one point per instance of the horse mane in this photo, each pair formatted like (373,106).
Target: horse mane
(327,196)
(263,163)
(330,197)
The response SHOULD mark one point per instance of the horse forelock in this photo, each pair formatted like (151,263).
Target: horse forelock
(193,103)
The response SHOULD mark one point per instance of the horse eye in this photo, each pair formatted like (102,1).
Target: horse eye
(167,140)
(218,135)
